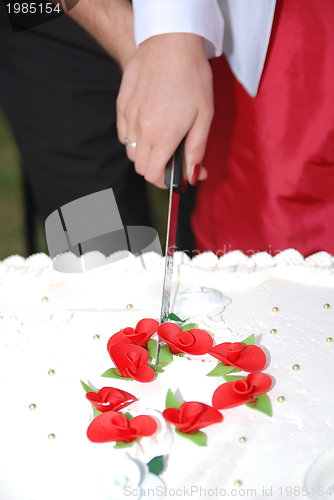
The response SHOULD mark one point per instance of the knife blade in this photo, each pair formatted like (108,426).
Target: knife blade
(175,181)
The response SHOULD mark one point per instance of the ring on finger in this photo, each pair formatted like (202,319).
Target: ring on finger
(129,144)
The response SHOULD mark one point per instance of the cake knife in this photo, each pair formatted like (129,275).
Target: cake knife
(175,181)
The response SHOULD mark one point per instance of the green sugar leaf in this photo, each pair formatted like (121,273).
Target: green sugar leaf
(156,465)
(220,370)
(172,401)
(165,356)
(157,369)
(189,326)
(198,437)
(232,378)
(249,340)
(173,317)
(86,387)
(114,373)
(262,404)
(123,444)
(152,348)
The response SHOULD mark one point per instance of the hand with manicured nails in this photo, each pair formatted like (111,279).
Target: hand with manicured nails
(165,95)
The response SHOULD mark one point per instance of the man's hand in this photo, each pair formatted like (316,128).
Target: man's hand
(165,95)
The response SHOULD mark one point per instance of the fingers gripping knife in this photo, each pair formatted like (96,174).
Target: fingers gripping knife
(176,183)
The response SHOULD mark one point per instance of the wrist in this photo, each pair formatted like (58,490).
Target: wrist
(185,42)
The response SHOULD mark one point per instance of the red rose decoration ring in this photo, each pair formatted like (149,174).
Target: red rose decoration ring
(113,426)
(192,416)
(241,391)
(249,358)
(193,341)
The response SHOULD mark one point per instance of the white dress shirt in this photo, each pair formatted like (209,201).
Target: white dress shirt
(239,28)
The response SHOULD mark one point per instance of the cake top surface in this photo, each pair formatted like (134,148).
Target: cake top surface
(62,322)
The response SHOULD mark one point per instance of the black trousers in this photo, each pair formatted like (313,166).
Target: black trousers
(58,89)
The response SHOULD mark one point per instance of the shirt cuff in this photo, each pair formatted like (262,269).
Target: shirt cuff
(201,17)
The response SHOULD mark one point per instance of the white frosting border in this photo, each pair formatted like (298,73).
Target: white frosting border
(234,270)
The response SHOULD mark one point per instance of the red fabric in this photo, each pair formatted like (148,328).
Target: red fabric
(271,158)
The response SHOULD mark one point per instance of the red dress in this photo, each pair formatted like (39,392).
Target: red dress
(271,158)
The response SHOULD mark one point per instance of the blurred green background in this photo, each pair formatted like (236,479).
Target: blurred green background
(12,238)
(12,216)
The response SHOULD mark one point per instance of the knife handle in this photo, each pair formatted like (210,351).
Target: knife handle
(179,180)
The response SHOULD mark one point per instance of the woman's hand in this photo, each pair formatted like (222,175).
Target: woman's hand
(165,95)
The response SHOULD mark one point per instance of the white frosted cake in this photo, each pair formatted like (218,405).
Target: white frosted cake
(54,331)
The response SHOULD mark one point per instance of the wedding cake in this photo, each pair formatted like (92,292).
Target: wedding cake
(244,409)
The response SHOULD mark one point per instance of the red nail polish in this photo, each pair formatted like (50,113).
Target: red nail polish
(194,176)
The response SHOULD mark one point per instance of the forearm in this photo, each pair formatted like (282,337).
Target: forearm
(110,22)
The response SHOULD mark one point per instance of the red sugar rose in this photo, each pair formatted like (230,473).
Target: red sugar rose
(113,426)
(194,341)
(144,330)
(192,416)
(249,358)
(110,399)
(241,391)
(131,361)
